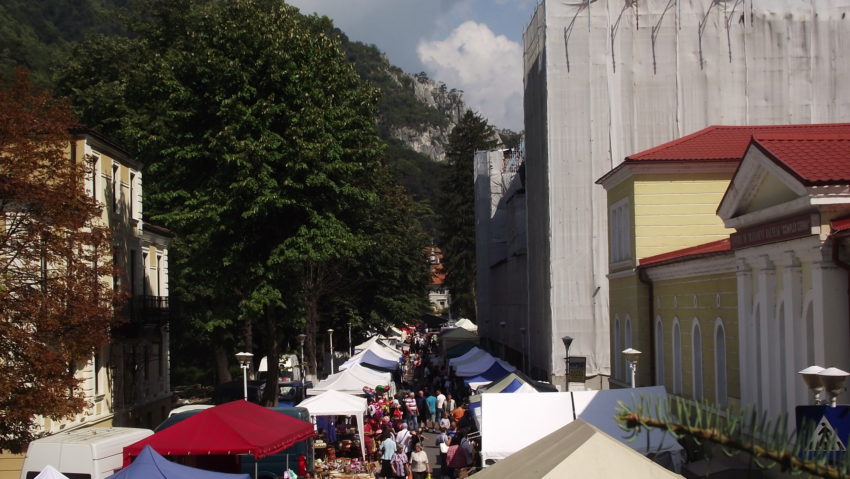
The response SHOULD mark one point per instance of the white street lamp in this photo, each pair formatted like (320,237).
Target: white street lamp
(568,340)
(812,380)
(331,347)
(631,356)
(244,361)
(350,346)
(301,338)
(833,382)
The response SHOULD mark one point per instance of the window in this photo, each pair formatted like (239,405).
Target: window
(617,347)
(619,218)
(132,192)
(677,358)
(659,351)
(98,364)
(116,185)
(95,171)
(696,360)
(158,274)
(627,341)
(721,393)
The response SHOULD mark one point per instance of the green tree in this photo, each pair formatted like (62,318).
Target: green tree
(261,153)
(457,209)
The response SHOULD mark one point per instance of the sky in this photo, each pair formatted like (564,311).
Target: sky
(470,45)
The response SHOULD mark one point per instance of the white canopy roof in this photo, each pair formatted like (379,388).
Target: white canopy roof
(365,344)
(50,472)
(481,364)
(335,403)
(576,450)
(466,324)
(376,355)
(467,356)
(542,414)
(351,381)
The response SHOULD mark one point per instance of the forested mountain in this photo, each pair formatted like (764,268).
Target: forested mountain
(416,113)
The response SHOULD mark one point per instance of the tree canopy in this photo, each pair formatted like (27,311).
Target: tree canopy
(457,209)
(262,156)
(55,263)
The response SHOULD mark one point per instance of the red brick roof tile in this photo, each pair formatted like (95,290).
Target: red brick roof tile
(814,159)
(692,252)
(726,142)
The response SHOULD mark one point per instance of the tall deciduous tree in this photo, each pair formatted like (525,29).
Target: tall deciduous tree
(457,209)
(262,154)
(56,301)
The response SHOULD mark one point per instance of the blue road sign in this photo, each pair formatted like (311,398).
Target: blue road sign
(829,429)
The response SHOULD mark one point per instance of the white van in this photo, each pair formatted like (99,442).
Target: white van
(89,453)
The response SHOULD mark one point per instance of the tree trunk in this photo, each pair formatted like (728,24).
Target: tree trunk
(272,359)
(312,325)
(222,368)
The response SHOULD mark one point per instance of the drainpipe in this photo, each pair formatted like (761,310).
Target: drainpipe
(644,278)
(835,236)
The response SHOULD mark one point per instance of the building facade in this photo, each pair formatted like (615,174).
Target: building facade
(607,78)
(125,383)
(733,320)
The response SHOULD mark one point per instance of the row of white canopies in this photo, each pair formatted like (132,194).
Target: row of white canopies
(342,393)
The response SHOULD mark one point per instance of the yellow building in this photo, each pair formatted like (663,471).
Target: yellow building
(126,383)
(731,318)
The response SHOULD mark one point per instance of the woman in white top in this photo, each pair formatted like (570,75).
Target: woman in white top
(419,465)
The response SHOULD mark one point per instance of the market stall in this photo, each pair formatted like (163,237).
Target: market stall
(150,465)
(377,355)
(348,444)
(352,381)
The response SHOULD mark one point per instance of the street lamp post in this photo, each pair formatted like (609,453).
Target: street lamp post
(812,380)
(301,338)
(631,355)
(522,330)
(819,380)
(350,346)
(244,361)
(331,347)
(568,340)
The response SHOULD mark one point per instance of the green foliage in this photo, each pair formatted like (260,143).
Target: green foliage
(457,207)
(262,156)
(768,440)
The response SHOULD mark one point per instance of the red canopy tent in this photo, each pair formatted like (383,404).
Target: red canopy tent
(237,427)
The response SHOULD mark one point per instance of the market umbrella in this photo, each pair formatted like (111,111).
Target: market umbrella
(237,427)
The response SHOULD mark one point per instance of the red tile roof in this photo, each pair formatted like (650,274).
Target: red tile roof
(840,224)
(725,142)
(814,159)
(692,252)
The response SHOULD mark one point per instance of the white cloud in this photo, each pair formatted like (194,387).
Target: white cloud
(486,66)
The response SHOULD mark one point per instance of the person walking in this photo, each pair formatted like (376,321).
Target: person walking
(420,467)
(388,449)
(412,412)
(431,400)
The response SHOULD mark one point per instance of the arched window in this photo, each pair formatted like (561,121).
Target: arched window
(627,343)
(720,391)
(696,359)
(617,347)
(677,358)
(659,351)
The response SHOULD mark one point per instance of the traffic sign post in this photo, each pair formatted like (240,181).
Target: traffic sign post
(828,428)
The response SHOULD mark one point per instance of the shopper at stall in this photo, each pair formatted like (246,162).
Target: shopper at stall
(419,465)
(388,449)
(399,463)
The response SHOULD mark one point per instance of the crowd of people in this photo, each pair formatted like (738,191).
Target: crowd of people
(429,405)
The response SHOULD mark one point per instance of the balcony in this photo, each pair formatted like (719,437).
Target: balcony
(143,316)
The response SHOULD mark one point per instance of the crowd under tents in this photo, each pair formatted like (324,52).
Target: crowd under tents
(576,450)
(538,415)
(150,465)
(352,381)
(335,403)
(237,427)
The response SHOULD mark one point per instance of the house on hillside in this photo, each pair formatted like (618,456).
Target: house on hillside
(728,257)
(439,295)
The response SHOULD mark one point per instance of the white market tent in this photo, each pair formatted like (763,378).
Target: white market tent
(472,353)
(377,355)
(466,324)
(50,472)
(351,381)
(335,403)
(376,339)
(576,450)
(510,422)
(480,365)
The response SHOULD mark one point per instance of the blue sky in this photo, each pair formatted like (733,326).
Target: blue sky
(471,45)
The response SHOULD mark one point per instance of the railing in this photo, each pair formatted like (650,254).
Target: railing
(144,315)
